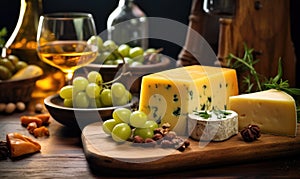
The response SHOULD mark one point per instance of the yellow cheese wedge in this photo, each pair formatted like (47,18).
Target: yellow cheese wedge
(272,110)
(169,96)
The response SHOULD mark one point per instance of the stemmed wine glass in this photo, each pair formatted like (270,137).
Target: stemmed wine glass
(65,41)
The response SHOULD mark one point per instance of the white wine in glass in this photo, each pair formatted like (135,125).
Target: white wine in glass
(65,41)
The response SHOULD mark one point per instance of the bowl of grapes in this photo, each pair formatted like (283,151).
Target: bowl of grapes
(131,62)
(87,100)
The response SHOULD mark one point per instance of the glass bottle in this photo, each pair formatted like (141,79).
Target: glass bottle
(224,8)
(22,43)
(128,24)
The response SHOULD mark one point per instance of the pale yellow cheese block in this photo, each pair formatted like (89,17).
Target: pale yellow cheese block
(169,96)
(272,110)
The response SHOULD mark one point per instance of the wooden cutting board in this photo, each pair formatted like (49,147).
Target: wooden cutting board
(103,153)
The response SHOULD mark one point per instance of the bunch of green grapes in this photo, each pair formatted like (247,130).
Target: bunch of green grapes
(126,124)
(91,92)
(111,54)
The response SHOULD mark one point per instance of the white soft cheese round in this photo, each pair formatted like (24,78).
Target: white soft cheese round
(217,127)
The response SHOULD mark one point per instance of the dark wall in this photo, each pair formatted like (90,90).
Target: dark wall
(178,10)
(295,29)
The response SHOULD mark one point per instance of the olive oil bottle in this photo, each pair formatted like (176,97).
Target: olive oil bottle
(22,43)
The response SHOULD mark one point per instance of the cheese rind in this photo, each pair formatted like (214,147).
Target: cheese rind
(169,96)
(215,128)
(273,111)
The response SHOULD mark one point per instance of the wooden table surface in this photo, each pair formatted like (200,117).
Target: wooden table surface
(62,156)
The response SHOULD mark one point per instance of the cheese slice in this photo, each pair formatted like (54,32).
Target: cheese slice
(169,96)
(21,145)
(272,110)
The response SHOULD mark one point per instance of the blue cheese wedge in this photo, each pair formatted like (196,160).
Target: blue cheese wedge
(214,125)
(169,96)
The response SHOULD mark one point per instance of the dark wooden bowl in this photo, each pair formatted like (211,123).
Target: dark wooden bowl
(78,118)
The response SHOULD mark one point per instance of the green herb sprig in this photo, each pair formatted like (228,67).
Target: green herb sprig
(219,113)
(203,114)
(253,79)
(278,83)
(246,64)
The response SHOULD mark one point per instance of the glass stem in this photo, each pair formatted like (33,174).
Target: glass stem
(68,78)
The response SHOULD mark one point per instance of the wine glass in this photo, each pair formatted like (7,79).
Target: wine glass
(66,41)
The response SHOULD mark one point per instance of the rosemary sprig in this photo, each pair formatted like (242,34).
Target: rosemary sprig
(278,83)
(246,64)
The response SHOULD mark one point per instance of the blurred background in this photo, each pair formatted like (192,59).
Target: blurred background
(101,9)
(178,10)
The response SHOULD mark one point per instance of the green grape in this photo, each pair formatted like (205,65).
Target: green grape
(108,125)
(122,115)
(135,52)
(129,95)
(93,90)
(151,124)
(150,50)
(106,98)
(68,102)
(80,83)
(99,59)
(97,40)
(118,89)
(118,61)
(124,50)
(66,92)
(125,99)
(95,77)
(95,102)
(92,103)
(82,100)
(109,45)
(109,62)
(121,132)
(116,54)
(128,60)
(143,132)
(108,56)
(138,119)
(98,102)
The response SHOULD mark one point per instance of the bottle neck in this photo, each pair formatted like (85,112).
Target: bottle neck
(30,10)
(27,24)
(123,3)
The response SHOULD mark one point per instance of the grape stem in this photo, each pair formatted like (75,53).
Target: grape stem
(123,73)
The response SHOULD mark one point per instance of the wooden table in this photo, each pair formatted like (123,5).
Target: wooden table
(62,156)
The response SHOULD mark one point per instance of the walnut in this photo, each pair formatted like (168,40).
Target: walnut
(250,133)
